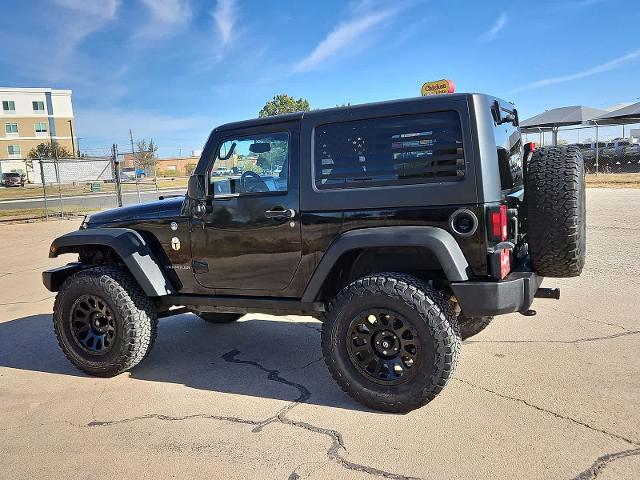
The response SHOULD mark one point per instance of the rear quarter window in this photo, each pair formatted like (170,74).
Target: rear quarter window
(402,150)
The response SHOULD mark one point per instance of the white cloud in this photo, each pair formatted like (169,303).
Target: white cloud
(578,4)
(88,16)
(167,17)
(501,22)
(58,48)
(225,16)
(111,125)
(603,67)
(105,9)
(343,36)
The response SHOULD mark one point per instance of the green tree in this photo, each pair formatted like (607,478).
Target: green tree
(284,104)
(274,158)
(145,154)
(49,150)
(189,168)
(248,165)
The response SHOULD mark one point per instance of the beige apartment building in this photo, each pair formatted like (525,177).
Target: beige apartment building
(31,116)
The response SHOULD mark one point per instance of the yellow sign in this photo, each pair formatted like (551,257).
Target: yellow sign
(438,87)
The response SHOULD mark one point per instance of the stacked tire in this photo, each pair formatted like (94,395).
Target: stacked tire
(556,210)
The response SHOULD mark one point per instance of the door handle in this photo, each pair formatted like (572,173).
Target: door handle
(282,213)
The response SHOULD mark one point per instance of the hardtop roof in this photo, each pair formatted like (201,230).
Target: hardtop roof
(256,122)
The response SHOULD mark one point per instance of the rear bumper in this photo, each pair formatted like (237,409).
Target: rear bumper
(55,277)
(513,294)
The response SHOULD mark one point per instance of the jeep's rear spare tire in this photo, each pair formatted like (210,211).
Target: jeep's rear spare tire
(555,203)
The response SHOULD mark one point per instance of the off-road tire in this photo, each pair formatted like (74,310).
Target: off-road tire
(211,317)
(135,318)
(431,314)
(556,210)
(470,326)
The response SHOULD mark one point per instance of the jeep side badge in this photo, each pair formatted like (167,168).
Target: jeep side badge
(175,243)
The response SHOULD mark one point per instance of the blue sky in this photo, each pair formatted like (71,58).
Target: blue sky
(174,69)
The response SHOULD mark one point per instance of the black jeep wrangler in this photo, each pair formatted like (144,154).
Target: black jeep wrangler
(404,226)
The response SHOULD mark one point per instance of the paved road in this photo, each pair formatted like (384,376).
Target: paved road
(95,201)
(554,396)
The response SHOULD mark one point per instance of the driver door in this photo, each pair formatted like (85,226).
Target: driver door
(249,239)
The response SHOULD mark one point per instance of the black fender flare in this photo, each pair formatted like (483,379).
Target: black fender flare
(129,245)
(439,241)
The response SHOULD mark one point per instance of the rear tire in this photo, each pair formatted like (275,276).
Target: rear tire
(470,326)
(556,211)
(210,317)
(104,322)
(391,341)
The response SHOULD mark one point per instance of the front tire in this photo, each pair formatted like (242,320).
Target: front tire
(104,322)
(391,341)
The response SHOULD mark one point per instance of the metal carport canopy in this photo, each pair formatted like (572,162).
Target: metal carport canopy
(622,116)
(560,117)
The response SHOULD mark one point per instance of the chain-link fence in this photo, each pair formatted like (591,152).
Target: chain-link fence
(605,151)
(46,188)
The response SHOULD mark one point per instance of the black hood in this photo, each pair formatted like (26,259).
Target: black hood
(171,207)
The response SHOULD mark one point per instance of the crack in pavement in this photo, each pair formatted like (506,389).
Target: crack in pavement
(337,442)
(603,461)
(22,303)
(312,362)
(565,342)
(170,418)
(4,274)
(599,322)
(333,452)
(551,412)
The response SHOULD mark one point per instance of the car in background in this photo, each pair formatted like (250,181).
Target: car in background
(131,174)
(13,179)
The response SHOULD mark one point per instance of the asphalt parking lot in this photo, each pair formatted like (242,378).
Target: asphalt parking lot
(553,396)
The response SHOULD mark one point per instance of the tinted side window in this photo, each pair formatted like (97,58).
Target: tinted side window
(404,150)
(251,164)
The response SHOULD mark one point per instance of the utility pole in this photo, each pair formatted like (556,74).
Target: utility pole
(116,173)
(131,138)
(73,142)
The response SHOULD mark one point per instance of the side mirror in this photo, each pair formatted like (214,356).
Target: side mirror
(196,188)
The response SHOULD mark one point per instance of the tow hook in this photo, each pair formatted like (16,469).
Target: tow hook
(548,293)
(542,293)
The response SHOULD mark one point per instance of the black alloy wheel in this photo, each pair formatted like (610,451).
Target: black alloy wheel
(93,326)
(391,341)
(384,346)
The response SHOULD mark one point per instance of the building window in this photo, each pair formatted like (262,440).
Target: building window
(8,106)
(14,151)
(41,127)
(406,150)
(10,128)
(38,106)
